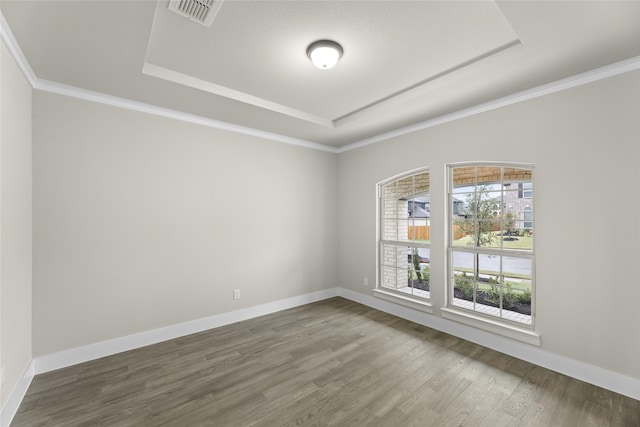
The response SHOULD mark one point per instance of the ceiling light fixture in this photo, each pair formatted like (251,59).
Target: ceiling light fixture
(324,53)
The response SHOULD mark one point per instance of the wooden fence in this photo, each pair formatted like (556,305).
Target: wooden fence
(423,232)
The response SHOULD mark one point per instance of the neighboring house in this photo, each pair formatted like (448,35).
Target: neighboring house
(419,207)
(519,203)
(458,206)
(419,212)
(518,198)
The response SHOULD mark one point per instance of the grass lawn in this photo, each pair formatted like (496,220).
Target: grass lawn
(495,273)
(523,242)
(516,287)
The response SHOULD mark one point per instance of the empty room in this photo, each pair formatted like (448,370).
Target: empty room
(319,213)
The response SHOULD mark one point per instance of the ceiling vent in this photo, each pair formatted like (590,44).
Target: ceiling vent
(200,11)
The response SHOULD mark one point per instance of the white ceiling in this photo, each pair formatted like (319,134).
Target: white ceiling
(404,61)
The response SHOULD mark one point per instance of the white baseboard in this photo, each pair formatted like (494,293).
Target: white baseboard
(97,350)
(600,377)
(15,398)
(604,378)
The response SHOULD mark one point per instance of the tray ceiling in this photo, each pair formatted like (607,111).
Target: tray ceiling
(403,62)
(243,50)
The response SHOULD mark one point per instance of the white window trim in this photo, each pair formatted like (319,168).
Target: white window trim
(469,318)
(405,299)
(499,326)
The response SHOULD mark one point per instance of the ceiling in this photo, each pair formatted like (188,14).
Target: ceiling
(404,62)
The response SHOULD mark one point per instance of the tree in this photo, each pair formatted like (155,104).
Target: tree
(416,263)
(480,220)
(509,223)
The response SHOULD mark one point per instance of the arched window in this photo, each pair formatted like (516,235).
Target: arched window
(404,235)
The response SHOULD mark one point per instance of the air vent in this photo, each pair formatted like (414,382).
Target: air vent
(200,11)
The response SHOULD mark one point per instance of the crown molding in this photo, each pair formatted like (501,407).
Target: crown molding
(216,89)
(88,95)
(611,70)
(617,68)
(14,48)
(397,97)
(102,98)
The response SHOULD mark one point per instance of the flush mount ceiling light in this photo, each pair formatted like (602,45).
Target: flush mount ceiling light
(324,53)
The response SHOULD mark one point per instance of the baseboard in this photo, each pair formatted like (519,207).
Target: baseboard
(600,377)
(592,374)
(15,398)
(97,350)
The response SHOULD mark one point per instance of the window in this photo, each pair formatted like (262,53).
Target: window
(404,235)
(525,190)
(528,218)
(490,248)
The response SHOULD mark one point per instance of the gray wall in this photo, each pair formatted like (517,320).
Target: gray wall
(15,224)
(142,222)
(584,143)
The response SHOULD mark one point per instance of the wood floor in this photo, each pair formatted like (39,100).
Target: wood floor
(332,363)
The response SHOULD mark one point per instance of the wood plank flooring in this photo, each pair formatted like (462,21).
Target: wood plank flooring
(331,363)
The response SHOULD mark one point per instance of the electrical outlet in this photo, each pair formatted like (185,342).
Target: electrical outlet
(365,281)
(236,294)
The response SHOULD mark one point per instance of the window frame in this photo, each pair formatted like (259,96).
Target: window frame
(473,317)
(410,300)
